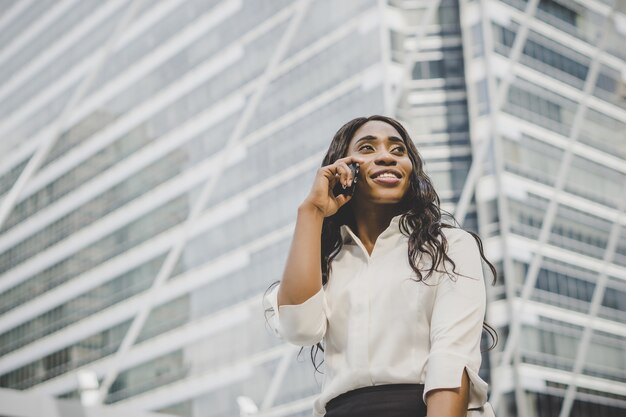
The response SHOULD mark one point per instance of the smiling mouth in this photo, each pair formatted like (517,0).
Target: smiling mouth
(386,180)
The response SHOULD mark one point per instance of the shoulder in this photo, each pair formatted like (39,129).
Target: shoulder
(464,251)
(457,236)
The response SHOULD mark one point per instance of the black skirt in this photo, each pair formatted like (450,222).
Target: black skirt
(391,400)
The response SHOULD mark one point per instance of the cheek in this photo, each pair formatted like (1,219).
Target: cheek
(408,168)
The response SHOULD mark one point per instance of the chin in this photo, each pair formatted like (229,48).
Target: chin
(383,196)
(386,199)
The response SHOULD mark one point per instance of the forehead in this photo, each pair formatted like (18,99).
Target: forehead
(375,128)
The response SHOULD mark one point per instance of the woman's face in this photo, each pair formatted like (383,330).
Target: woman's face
(382,148)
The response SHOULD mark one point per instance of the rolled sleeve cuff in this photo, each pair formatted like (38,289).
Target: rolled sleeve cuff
(301,324)
(445,370)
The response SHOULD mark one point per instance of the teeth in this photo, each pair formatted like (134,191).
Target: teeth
(386,175)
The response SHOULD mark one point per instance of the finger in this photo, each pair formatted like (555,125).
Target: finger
(338,178)
(337,170)
(342,199)
(348,160)
(349,176)
(352,158)
(346,173)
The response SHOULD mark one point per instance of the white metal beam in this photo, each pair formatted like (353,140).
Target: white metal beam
(8,203)
(16,116)
(552,138)
(198,206)
(497,96)
(548,220)
(596,301)
(428,18)
(14,11)
(275,384)
(107,271)
(109,90)
(195,386)
(571,41)
(20,42)
(26,404)
(130,165)
(203,329)
(153,247)
(150,106)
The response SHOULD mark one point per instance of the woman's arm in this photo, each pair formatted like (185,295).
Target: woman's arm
(299,302)
(449,402)
(302,277)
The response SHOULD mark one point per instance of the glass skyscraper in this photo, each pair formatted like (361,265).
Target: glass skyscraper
(154,154)
(547,103)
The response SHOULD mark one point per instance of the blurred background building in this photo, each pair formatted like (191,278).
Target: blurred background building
(154,154)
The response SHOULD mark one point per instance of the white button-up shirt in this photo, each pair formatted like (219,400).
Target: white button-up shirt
(378,326)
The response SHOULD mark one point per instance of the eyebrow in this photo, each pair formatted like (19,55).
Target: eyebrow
(371,138)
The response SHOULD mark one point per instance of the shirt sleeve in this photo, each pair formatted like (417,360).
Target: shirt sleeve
(456,323)
(300,324)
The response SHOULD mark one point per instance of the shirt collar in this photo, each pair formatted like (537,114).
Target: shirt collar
(348,234)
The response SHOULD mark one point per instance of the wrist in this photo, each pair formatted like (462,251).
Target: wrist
(310,209)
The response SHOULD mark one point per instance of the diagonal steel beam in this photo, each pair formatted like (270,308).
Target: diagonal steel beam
(609,254)
(13,12)
(498,96)
(27,404)
(174,254)
(596,301)
(281,371)
(475,170)
(38,158)
(427,18)
(548,220)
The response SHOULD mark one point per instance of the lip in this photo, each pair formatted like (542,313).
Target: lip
(386,181)
(387,170)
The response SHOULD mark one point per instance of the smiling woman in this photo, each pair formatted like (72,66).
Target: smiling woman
(395,342)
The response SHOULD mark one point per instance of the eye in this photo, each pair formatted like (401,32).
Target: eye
(400,148)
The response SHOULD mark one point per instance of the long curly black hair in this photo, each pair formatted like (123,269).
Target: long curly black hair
(421,211)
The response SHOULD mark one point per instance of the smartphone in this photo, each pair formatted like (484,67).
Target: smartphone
(338,189)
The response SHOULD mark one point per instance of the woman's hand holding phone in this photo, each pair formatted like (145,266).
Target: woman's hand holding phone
(328,193)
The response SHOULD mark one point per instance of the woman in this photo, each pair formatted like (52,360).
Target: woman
(395,342)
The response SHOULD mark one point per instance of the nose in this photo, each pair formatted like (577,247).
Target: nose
(385,157)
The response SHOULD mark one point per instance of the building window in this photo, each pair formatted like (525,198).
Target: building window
(559,11)
(428,69)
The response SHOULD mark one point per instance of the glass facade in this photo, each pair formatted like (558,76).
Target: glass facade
(548,98)
(93,226)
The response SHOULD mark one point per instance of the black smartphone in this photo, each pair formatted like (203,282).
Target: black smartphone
(338,189)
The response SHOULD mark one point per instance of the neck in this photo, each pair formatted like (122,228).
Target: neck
(370,223)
